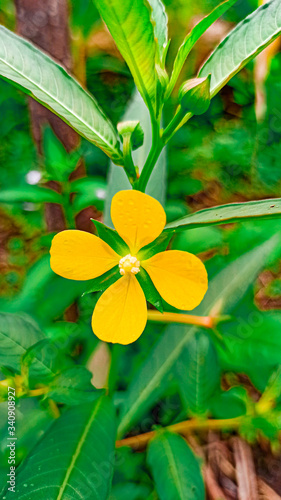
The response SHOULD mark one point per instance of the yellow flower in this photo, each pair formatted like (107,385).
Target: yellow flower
(120,314)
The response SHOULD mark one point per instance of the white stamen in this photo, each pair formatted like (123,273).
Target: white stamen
(129,264)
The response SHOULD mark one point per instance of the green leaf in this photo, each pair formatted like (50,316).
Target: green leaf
(65,465)
(58,163)
(229,404)
(47,82)
(198,372)
(156,246)
(129,491)
(192,38)
(225,291)
(251,344)
(103,282)
(242,44)
(45,295)
(17,334)
(73,386)
(90,191)
(117,179)
(32,194)
(160,22)
(130,25)
(151,294)
(234,212)
(112,238)
(175,468)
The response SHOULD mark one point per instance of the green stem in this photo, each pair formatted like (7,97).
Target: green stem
(156,148)
(67,206)
(129,166)
(177,121)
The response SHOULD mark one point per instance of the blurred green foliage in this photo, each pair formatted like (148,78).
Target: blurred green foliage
(222,156)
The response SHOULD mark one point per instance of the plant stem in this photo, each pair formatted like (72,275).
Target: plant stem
(140,441)
(154,153)
(129,166)
(188,319)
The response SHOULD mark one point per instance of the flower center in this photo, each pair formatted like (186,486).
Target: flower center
(129,264)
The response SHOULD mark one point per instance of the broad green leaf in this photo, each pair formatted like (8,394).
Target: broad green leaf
(74,459)
(17,334)
(130,25)
(198,373)
(229,404)
(117,179)
(73,386)
(32,194)
(251,344)
(234,212)
(47,82)
(225,291)
(130,491)
(192,38)
(23,343)
(175,469)
(242,44)
(160,22)
(45,295)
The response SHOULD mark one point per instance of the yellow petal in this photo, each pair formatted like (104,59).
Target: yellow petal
(120,314)
(180,278)
(78,255)
(137,217)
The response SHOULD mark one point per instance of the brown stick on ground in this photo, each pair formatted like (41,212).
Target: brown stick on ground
(245,470)
(266,492)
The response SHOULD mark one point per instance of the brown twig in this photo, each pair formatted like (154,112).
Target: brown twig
(140,441)
(245,470)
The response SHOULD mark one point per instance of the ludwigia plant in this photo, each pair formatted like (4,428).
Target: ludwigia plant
(136,272)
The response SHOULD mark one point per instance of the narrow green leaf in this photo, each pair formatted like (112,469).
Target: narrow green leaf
(175,468)
(242,44)
(225,290)
(160,22)
(198,372)
(73,386)
(151,293)
(47,82)
(234,212)
(32,194)
(112,238)
(103,282)
(117,179)
(131,27)
(158,245)
(193,37)
(74,459)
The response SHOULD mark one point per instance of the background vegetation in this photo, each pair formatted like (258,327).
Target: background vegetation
(222,388)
